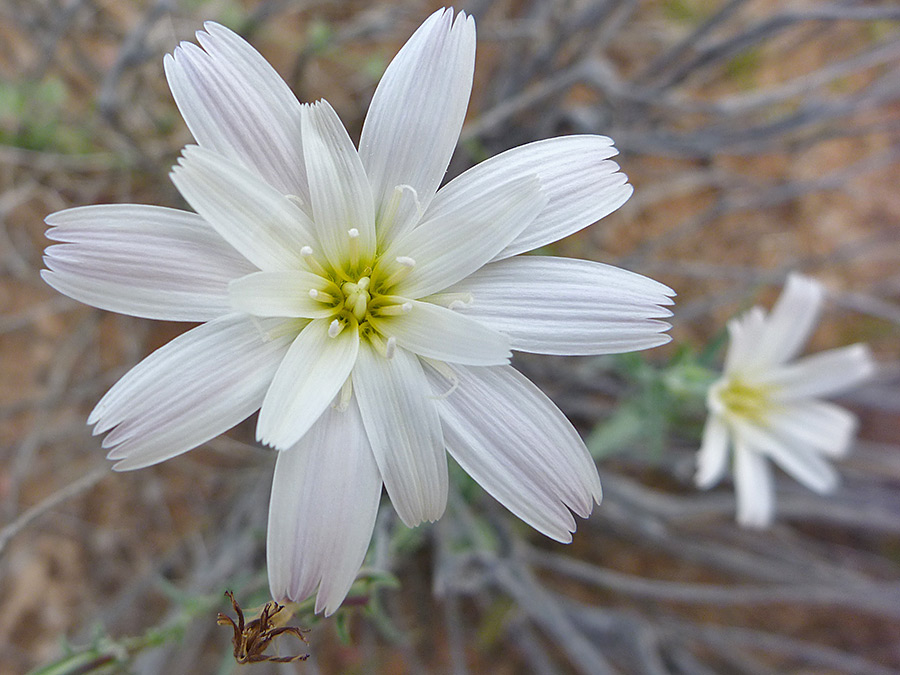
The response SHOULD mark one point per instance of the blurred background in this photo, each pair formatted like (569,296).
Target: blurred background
(761,137)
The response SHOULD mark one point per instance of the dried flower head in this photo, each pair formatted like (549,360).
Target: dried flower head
(253,638)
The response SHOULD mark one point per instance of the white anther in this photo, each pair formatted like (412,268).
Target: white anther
(335,328)
(406,307)
(353,235)
(310,259)
(346,392)
(390,348)
(406,265)
(321,296)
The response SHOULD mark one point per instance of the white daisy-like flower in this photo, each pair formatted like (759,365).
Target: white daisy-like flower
(766,405)
(368,315)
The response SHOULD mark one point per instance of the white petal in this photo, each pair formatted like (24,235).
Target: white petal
(790,324)
(576,174)
(325,497)
(194,388)
(798,461)
(140,260)
(310,376)
(824,374)
(563,306)
(520,448)
(339,190)
(465,236)
(415,117)
(279,294)
(251,215)
(404,429)
(440,333)
(235,104)
(744,332)
(754,486)
(819,425)
(712,459)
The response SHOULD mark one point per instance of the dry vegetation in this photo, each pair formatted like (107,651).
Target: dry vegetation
(760,136)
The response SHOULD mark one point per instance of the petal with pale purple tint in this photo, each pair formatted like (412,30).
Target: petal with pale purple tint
(325,497)
(145,261)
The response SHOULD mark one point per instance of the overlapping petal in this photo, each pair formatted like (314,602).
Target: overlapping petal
(403,426)
(465,236)
(712,459)
(790,323)
(340,195)
(506,434)
(146,261)
(283,294)
(824,374)
(257,220)
(564,306)
(819,425)
(439,333)
(415,117)
(311,374)
(754,486)
(581,183)
(235,104)
(744,333)
(194,388)
(325,497)
(800,462)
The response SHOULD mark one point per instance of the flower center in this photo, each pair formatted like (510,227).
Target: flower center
(358,294)
(356,297)
(744,400)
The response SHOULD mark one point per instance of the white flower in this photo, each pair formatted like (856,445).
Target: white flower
(767,407)
(366,314)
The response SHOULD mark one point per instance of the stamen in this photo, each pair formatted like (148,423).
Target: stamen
(346,393)
(310,259)
(335,328)
(415,196)
(321,296)
(395,310)
(406,266)
(391,347)
(451,300)
(353,235)
(445,371)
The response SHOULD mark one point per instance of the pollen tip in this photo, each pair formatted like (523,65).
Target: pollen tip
(353,233)
(391,347)
(334,328)
(313,293)
(406,307)
(306,251)
(406,261)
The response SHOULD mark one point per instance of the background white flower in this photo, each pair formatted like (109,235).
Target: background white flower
(368,315)
(766,407)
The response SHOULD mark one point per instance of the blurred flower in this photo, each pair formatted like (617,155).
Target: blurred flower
(366,314)
(766,407)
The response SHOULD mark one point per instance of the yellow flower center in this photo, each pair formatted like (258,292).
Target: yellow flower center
(744,400)
(358,293)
